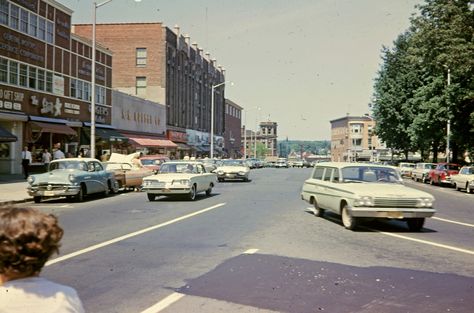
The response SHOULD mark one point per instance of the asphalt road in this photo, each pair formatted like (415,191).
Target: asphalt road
(257,247)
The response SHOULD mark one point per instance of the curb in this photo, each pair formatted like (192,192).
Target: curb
(3,203)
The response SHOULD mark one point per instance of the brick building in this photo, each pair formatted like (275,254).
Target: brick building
(159,64)
(232,133)
(45,82)
(267,135)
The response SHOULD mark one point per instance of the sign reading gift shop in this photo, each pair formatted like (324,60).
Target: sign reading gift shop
(137,114)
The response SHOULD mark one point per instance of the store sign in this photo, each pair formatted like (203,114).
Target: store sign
(101,113)
(58,85)
(72,108)
(177,136)
(47,106)
(11,100)
(21,46)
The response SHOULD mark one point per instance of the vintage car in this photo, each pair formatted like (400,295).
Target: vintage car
(232,169)
(465,179)
(174,178)
(73,178)
(281,162)
(153,161)
(442,173)
(358,190)
(128,175)
(406,169)
(421,171)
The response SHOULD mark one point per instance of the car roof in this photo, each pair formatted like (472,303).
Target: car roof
(75,159)
(350,164)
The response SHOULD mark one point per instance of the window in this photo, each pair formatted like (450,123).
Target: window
(49,81)
(335,176)
(14,16)
(24,21)
(99,94)
(42,28)
(87,92)
(79,89)
(33,25)
(4,12)
(140,86)
(49,32)
(41,80)
(357,142)
(72,89)
(327,174)
(141,57)
(318,173)
(23,75)
(32,77)
(13,73)
(3,70)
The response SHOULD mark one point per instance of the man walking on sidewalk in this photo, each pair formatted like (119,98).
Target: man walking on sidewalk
(26,161)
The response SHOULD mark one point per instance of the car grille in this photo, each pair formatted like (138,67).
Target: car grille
(50,187)
(394,202)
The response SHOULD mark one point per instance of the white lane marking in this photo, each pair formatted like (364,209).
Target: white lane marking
(450,221)
(166,302)
(251,251)
(423,241)
(124,237)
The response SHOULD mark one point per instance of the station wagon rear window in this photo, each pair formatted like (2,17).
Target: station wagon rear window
(369,174)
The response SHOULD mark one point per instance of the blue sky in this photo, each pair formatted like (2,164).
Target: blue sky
(300,63)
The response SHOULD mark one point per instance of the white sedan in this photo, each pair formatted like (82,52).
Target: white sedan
(186,178)
(233,169)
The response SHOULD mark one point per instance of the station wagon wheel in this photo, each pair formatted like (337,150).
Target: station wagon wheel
(192,193)
(151,197)
(348,220)
(209,190)
(37,199)
(317,210)
(415,224)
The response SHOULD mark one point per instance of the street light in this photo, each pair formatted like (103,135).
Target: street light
(212,113)
(257,117)
(448,127)
(95,6)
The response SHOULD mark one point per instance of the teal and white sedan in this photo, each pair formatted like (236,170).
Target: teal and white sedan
(357,190)
(185,178)
(73,178)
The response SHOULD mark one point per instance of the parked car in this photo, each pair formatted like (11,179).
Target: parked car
(73,178)
(359,190)
(442,173)
(128,175)
(153,161)
(174,178)
(232,169)
(298,163)
(406,169)
(465,179)
(421,171)
(281,162)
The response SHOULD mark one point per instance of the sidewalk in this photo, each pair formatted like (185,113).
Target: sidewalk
(13,189)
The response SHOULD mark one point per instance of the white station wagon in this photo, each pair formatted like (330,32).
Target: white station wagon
(357,190)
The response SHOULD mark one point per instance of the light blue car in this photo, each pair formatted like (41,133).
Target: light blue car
(73,178)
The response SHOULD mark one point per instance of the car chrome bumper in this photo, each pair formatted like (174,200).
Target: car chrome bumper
(231,176)
(166,191)
(398,213)
(66,191)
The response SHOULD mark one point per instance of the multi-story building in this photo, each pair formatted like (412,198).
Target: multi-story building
(159,64)
(45,81)
(232,133)
(267,135)
(353,139)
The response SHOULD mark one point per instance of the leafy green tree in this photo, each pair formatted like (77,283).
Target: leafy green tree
(261,150)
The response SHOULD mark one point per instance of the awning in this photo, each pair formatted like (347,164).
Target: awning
(106,134)
(53,128)
(150,141)
(182,146)
(6,136)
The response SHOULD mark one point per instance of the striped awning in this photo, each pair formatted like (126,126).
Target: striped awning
(150,141)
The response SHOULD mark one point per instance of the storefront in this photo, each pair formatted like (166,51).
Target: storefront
(180,139)
(107,139)
(200,144)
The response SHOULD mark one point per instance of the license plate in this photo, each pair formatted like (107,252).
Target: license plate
(49,193)
(395,214)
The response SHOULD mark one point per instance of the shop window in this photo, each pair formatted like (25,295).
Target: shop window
(4,12)
(13,73)
(42,28)
(49,32)
(140,86)
(23,75)
(141,56)
(14,16)
(32,77)
(33,25)
(49,82)
(3,70)
(24,21)
(41,80)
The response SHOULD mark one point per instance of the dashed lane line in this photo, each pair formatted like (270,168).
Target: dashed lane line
(451,221)
(124,237)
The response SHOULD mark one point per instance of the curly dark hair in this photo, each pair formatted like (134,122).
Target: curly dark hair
(28,238)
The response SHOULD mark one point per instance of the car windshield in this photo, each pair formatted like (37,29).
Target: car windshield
(150,161)
(430,166)
(411,165)
(233,163)
(178,168)
(68,165)
(370,174)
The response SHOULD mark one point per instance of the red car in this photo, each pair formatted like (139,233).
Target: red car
(153,162)
(442,173)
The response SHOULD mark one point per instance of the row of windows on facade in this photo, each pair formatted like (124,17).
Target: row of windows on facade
(28,76)
(26,22)
(230,110)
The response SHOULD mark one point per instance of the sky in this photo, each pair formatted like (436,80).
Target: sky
(300,63)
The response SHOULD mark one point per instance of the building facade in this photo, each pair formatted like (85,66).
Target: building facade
(353,139)
(267,136)
(45,81)
(232,133)
(160,64)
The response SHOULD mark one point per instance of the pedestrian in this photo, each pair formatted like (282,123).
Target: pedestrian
(26,160)
(104,157)
(28,239)
(46,159)
(58,154)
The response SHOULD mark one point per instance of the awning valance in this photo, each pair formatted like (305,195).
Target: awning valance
(53,128)
(150,141)
(106,134)
(6,136)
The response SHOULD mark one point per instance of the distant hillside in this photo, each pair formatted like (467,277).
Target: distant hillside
(321,147)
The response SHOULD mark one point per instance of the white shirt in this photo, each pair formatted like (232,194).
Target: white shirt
(39,295)
(26,155)
(58,154)
(46,157)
